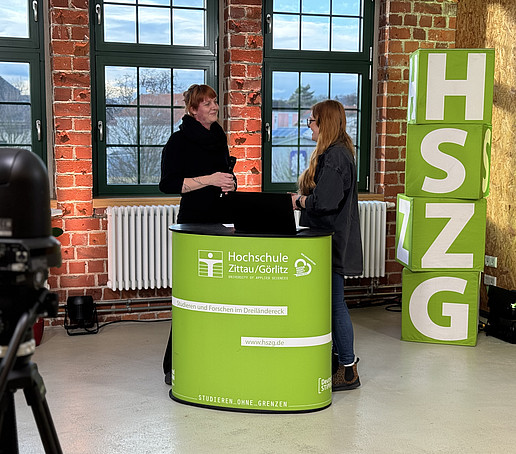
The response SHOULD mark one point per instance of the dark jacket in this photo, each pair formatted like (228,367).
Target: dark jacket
(333,205)
(195,151)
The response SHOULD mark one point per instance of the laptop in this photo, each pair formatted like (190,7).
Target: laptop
(262,212)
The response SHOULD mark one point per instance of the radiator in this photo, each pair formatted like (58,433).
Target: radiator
(373,222)
(140,244)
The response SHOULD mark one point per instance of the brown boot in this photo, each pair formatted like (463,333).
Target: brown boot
(346,377)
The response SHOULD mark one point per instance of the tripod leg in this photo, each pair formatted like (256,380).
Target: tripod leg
(35,396)
(8,430)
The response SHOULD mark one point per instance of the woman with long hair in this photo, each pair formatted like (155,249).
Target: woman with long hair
(328,199)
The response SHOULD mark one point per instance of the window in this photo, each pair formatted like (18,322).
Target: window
(22,122)
(147,53)
(314,50)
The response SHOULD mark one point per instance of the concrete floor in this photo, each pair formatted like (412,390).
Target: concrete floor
(106,395)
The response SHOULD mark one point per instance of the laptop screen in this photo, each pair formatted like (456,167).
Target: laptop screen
(261,212)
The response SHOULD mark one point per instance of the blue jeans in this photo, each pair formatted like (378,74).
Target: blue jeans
(342,329)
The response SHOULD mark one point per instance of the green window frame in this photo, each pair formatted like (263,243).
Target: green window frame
(22,82)
(143,61)
(323,49)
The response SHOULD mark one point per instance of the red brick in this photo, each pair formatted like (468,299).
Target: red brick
(83,180)
(62,94)
(96,266)
(71,79)
(67,109)
(63,124)
(77,267)
(69,16)
(81,64)
(79,239)
(425,21)
(82,281)
(64,181)
(74,194)
(400,7)
(81,124)
(92,252)
(102,280)
(83,152)
(248,56)
(81,94)
(395,19)
(62,63)
(80,33)
(97,239)
(83,209)
(399,33)
(81,224)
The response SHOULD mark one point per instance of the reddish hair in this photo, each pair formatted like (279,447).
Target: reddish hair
(197,94)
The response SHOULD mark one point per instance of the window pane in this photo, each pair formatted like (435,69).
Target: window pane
(155,86)
(352,124)
(345,34)
(121,1)
(314,88)
(284,86)
(285,32)
(315,33)
(14,82)
(284,165)
(154,126)
(120,85)
(122,165)
(188,27)
(154,2)
(286,6)
(285,127)
(305,133)
(14,19)
(119,24)
(15,124)
(344,88)
(191,3)
(150,165)
(317,6)
(178,115)
(154,25)
(121,125)
(347,7)
(183,78)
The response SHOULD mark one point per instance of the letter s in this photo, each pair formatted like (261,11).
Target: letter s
(458,312)
(456,173)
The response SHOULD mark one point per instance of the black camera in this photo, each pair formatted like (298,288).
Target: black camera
(27,247)
(27,250)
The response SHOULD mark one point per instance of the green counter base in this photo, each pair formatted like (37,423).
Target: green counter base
(244,410)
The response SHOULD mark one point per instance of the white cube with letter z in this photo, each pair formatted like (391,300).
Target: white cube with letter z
(440,234)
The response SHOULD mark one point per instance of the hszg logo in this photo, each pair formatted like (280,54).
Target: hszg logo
(211,264)
(303,266)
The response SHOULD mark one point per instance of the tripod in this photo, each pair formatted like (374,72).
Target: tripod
(18,372)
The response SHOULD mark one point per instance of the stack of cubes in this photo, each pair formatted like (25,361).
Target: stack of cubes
(441,218)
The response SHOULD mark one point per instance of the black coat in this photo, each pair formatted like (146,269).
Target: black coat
(333,205)
(191,152)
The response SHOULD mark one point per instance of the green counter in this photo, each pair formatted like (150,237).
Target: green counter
(251,319)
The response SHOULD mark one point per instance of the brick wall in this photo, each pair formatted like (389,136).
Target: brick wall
(405,25)
(243,56)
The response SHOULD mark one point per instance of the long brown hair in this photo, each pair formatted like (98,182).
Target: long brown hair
(330,117)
